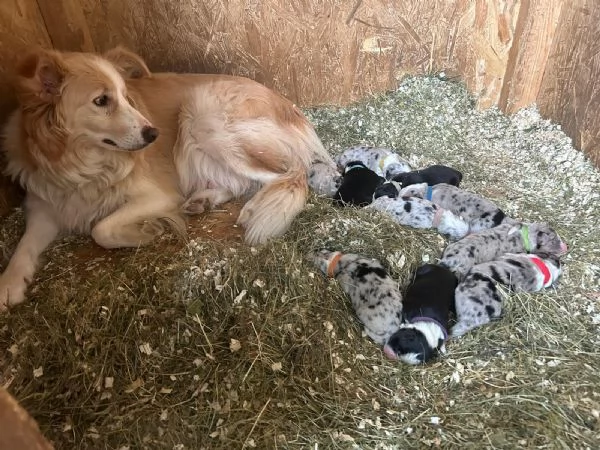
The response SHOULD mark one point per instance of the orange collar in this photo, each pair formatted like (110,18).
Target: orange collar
(333,264)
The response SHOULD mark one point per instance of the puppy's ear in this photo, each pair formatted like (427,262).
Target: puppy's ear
(40,76)
(128,63)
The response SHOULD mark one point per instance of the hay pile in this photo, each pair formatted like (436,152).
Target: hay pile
(213,344)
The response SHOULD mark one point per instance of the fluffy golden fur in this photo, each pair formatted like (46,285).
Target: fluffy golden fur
(103,146)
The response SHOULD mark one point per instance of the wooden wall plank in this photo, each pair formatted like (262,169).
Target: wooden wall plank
(66,25)
(486,32)
(529,53)
(21,26)
(570,88)
(315,52)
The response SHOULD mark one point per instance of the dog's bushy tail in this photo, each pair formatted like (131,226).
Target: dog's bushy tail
(270,212)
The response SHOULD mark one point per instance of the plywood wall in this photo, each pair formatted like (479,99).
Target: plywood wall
(510,53)
(570,87)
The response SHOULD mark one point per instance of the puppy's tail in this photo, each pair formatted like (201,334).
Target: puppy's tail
(271,211)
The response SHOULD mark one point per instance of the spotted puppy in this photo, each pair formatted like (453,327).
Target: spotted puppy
(488,245)
(358,185)
(427,305)
(477,211)
(373,293)
(478,300)
(324,179)
(431,175)
(420,213)
(383,161)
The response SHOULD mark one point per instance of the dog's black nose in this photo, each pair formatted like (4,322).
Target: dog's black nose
(149,134)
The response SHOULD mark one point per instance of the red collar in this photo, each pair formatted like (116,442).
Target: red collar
(543,268)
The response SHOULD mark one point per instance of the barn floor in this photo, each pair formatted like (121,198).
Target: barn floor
(212,344)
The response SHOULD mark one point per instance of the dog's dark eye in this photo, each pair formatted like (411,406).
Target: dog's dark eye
(101,100)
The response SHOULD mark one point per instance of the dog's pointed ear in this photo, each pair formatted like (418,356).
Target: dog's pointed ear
(128,63)
(41,74)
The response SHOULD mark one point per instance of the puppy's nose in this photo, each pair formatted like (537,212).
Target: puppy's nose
(149,134)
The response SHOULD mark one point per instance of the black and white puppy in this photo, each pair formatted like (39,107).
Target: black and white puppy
(384,162)
(374,294)
(358,185)
(431,175)
(478,300)
(491,244)
(427,305)
(477,211)
(420,213)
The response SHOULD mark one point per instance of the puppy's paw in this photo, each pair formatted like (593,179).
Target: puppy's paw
(12,291)
(459,329)
(206,199)
(151,229)
(192,206)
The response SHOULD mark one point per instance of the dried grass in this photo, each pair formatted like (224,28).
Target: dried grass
(214,344)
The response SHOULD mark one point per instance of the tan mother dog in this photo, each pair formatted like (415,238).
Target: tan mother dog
(75,145)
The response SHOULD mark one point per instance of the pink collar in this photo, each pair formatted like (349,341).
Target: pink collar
(543,268)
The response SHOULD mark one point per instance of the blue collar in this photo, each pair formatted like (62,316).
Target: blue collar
(429,193)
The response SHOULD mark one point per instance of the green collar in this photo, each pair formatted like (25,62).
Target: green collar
(525,236)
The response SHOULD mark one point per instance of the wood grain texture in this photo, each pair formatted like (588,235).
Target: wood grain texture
(314,51)
(21,26)
(66,25)
(485,37)
(570,88)
(529,53)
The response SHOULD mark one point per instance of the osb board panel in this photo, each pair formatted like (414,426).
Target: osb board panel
(66,25)
(486,31)
(570,90)
(21,26)
(536,28)
(313,51)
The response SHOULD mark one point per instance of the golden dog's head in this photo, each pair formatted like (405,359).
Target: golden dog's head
(83,98)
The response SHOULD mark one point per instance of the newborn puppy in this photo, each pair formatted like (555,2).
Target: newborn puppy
(431,175)
(324,179)
(477,211)
(477,298)
(389,189)
(383,161)
(419,213)
(358,185)
(427,305)
(373,293)
(491,244)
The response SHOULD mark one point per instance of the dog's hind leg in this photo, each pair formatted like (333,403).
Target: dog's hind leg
(41,229)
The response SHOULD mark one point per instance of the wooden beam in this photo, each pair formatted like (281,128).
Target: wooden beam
(66,25)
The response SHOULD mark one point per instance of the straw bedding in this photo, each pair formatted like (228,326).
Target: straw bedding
(212,344)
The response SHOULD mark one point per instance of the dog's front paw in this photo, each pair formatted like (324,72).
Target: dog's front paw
(12,291)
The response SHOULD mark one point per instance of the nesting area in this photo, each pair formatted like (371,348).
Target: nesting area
(213,344)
